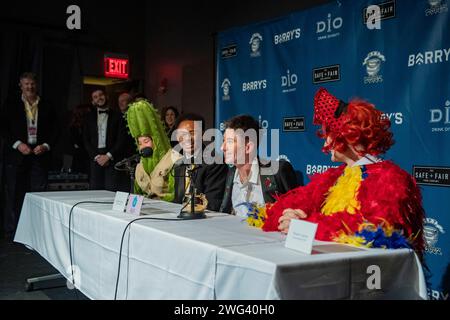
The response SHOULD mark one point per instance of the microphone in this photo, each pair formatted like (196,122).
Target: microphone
(133,158)
(145,153)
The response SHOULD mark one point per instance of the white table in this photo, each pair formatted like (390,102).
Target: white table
(216,258)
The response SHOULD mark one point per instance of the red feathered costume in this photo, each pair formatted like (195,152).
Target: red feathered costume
(386,193)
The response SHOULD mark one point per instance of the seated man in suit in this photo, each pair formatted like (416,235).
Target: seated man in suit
(208,179)
(250,181)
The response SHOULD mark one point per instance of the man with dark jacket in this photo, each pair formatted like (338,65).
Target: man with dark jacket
(208,177)
(30,134)
(104,138)
(251,181)
(130,148)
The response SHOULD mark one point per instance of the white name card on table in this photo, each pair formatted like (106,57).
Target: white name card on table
(135,204)
(301,236)
(120,201)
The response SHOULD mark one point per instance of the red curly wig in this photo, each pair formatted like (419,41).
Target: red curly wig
(363,126)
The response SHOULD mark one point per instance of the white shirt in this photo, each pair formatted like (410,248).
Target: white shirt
(32,129)
(248,192)
(102,124)
(367,159)
(32,125)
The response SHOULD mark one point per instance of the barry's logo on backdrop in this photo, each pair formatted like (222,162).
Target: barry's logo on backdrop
(394,117)
(440,118)
(254,85)
(431,232)
(432,176)
(255,45)
(387,11)
(226,84)
(327,74)
(289,82)
(329,28)
(436,7)
(429,57)
(287,36)
(373,63)
(312,169)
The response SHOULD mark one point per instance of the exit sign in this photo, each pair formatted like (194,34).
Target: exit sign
(117,66)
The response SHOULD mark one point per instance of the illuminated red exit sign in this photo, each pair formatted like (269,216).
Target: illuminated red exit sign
(117,67)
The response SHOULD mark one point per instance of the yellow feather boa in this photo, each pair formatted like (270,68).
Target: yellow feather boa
(342,196)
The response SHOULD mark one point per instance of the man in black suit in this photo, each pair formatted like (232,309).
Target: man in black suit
(130,148)
(250,180)
(104,138)
(29,136)
(208,177)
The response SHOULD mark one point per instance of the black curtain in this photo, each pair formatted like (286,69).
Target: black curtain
(58,62)
(20,52)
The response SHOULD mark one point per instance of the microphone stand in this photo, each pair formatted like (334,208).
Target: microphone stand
(129,166)
(193,215)
(131,170)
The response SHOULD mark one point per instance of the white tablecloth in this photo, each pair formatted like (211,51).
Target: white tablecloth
(216,258)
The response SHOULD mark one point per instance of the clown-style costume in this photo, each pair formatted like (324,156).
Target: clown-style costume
(153,175)
(350,204)
(373,203)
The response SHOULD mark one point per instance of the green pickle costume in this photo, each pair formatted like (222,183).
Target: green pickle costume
(153,175)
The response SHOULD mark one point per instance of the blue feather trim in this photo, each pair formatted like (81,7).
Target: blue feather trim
(378,239)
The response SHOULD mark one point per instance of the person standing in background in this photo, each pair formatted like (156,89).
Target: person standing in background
(104,138)
(123,101)
(75,144)
(30,133)
(169,116)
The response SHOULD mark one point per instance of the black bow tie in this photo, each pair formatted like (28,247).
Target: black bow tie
(103,111)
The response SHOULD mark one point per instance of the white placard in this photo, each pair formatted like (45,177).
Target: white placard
(135,204)
(301,236)
(120,201)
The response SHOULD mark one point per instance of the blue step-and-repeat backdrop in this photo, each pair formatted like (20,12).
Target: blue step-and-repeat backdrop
(400,62)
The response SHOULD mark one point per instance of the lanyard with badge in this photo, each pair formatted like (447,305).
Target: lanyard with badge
(31,111)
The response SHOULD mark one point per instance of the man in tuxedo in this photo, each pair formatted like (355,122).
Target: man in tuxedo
(104,139)
(208,177)
(30,134)
(250,180)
